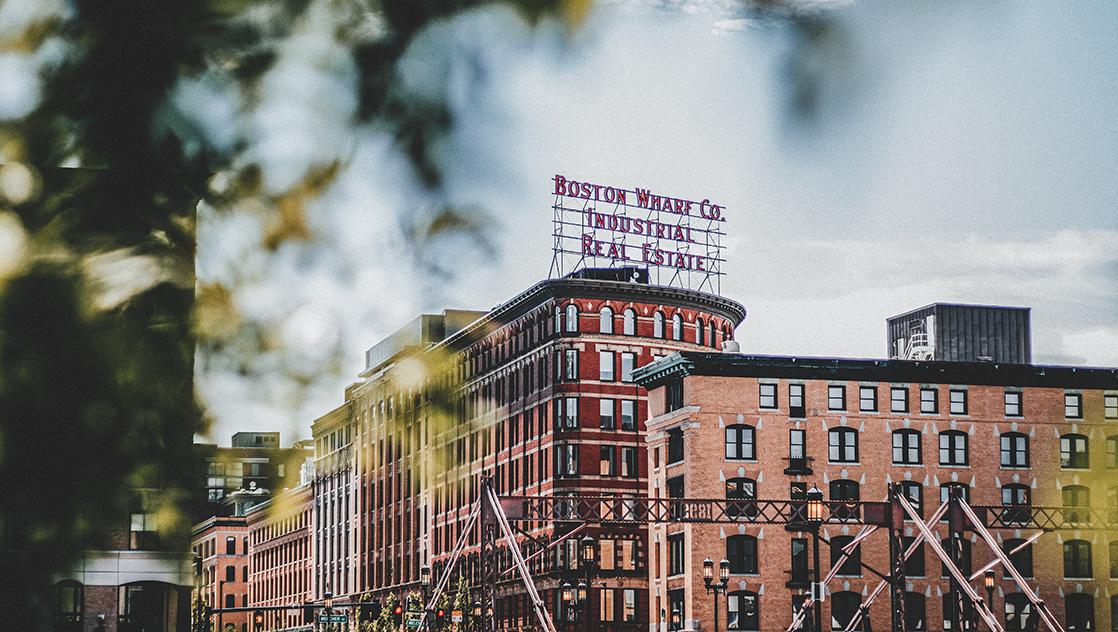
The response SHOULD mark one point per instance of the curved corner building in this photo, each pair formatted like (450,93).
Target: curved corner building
(537,394)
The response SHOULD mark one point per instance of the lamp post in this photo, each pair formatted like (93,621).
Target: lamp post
(566,596)
(328,602)
(425,583)
(988,581)
(677,617)
(815,517)
(720,587)
(586,556)
(477,612)
(221,606)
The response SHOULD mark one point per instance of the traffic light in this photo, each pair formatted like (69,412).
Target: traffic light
(398,615)
(308,614)
(374,609)
(440,618)
(258,619)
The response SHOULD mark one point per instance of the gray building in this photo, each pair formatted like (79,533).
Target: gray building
(961,333)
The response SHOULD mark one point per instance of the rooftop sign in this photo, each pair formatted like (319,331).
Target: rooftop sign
(679,240)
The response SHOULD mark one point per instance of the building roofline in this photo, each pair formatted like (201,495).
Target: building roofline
(568,287)
(689,363)
(930,305)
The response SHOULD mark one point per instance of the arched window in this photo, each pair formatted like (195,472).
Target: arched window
(964,556)
(699,329)
(1016,494)
(1077,559)
(741,551)
(1017,611)
(1078,500)
(842,445)
(953,448)
(853,564)
(1112,452)
(69,597)
(915,613)
(740,442)
(658,325)
(558,319)
(572,317)
(743,490)
(630,322)
(1073,451)
(710,334)
(743,611)
(844,489)
(1079,611)
(1020,554)
(906,447)
(605,320)
(1015,449)
(844,605)
(677,327)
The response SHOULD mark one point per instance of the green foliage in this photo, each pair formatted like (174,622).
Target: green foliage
(199,621)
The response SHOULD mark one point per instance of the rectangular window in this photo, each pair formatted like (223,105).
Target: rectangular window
(796,401)
(836,397)
(230,573)
(608,461)
(628,414)
(675,554)
(607,421)
(628,363)
(1012,404)
(607,606)
(675,445)
(958,402)
(799,570)
(740,442)
(230,543)
(673,396)
(570,365)
(1073,406)
(1110,407)
(570,413)
(898,400)
(629,614)
(605,366)
(867,399)
(629,462)
(796,441)
(566,460)
(929,401)
(768,396)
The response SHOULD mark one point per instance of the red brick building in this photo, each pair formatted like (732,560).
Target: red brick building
(223,546)
(734,426)
(279,535)
(537,394)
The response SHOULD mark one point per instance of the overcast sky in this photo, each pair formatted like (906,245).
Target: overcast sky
(958,154)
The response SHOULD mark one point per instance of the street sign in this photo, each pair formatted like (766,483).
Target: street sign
(414,619)
(333,618)
(456,616)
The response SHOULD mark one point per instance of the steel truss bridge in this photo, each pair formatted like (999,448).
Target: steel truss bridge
(497,513)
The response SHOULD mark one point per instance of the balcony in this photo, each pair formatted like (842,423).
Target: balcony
(798,465)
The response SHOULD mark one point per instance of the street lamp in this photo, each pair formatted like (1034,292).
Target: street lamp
(477,611)
(815,518)
(720,587)
(988,581)
(586,555)
(425,582)
(328,602)
(677,617)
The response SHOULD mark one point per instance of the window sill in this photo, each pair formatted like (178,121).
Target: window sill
(907,464)
(956,467)
(1074,469)
(844,462)
(728,460)
(1016,467)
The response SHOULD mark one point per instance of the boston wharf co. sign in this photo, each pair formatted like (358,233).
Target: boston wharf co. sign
(677,239)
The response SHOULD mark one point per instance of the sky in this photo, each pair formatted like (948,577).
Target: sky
(961,152)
